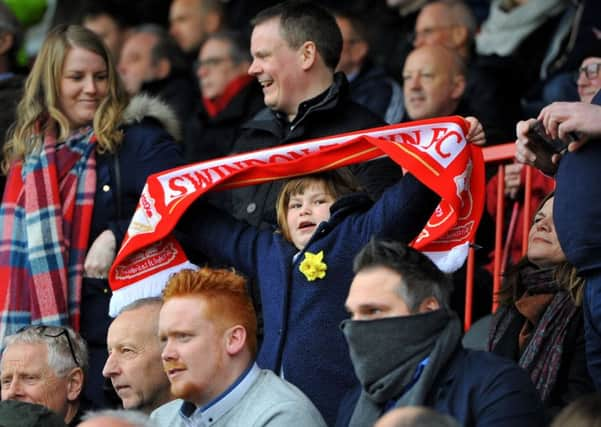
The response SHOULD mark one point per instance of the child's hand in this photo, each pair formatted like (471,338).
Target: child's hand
(475,134)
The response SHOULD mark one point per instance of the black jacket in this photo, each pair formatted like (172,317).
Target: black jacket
(330,113)
(208,137)
(11,90)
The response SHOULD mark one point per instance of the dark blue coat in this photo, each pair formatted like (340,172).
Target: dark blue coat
(301,318)
(577,205)
(576,213)
(146,148)
(479,389)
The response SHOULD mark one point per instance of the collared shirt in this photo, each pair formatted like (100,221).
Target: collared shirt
(210,413)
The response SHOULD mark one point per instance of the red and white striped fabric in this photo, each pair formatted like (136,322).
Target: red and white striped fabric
(435,151)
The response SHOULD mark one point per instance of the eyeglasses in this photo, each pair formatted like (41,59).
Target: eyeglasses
(427,32)
(591,71)
(210,62)
(43,330)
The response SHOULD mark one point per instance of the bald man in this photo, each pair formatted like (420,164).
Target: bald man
(434,82)
(451,23)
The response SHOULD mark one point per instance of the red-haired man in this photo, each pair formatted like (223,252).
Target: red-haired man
(207,327)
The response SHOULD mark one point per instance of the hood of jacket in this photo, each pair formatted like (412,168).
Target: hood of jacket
(144,106)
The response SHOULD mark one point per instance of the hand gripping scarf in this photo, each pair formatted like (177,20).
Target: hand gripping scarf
(434,151)
(46,215)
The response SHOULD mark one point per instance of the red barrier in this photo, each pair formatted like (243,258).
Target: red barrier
(499,155)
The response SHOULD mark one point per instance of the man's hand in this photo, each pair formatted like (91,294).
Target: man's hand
(100,256)
(513,179)
(523,154)
(475,134)
(572,122)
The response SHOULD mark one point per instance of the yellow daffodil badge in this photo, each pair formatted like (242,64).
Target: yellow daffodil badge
(313,266)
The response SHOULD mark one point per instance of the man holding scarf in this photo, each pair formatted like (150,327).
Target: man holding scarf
(405,346)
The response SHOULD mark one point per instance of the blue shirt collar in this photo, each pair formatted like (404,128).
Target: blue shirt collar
(210,413)
(418,372)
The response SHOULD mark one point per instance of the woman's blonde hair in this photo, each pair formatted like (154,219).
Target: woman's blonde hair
(337,183)
(39,109)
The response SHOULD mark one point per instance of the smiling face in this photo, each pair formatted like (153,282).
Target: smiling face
(306,211)
(543,245)
(432,85)
(27,377)
(588,87)
(134,361)
(83,86)
(277,67)
(194,354)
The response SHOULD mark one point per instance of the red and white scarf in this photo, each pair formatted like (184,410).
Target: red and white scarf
(435,151)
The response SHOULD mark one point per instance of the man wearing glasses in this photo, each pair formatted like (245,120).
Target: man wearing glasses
(230,97)
(45,365)
(588,78)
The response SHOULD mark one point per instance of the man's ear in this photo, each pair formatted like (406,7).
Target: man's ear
(163,69)
(235,339)
(6,42)
(74,384)
(308,54)
(459,35)
(458,86)
(359,51)
(212,22)
(428,304)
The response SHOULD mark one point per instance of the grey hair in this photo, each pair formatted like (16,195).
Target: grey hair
(142,302)
(60,358)
(135,418)
(460,13)
(238,43)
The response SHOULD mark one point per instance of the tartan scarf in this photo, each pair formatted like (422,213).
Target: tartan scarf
(46,216)
(542,353)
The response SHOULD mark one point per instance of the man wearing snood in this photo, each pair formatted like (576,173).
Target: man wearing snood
(405,345)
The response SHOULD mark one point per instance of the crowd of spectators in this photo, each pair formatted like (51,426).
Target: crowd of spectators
(97,96)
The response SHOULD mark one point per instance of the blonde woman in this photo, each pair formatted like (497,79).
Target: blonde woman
(77,158)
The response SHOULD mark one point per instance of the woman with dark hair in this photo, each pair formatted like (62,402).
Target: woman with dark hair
(539,322)
(77,158)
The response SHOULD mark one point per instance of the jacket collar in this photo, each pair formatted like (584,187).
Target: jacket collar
(277,123)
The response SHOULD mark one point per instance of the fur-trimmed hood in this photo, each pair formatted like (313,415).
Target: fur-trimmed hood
(141,106)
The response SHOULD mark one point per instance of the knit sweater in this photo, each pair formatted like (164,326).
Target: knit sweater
(268,401)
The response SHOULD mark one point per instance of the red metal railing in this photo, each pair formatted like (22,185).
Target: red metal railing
(499,155)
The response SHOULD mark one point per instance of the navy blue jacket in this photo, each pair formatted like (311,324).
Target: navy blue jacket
(301,318)
(146,148)
(378,92)
(479,389)
(577,206)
